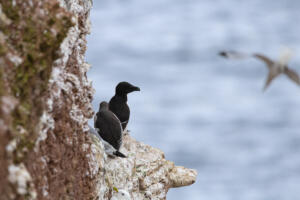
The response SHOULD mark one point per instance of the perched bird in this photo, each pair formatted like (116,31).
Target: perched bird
(275,67)
(109,128)
(108,148)
(118,103)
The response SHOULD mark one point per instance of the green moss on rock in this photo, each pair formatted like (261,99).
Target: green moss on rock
(1,83)
(36,38)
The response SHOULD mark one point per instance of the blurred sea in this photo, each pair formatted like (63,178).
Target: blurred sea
(203,111)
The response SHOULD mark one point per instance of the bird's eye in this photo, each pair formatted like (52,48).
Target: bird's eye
(122,194)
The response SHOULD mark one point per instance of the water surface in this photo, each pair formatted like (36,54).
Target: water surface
(203,111)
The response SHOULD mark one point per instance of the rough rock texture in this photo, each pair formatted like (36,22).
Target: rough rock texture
(145,174)
(45,100)
(46,151)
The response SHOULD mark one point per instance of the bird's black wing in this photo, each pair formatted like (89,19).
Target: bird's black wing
(120,109)
(110,128)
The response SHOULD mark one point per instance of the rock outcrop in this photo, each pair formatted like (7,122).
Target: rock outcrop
(145,174)
(46,150)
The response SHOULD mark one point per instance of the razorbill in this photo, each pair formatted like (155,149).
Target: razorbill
(275,67)
(118,103)
(109,150)
(109,128)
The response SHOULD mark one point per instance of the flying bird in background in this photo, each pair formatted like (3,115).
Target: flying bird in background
(109,128)
(275,67)
(118,103)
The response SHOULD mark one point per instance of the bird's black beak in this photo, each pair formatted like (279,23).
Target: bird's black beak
(135,89)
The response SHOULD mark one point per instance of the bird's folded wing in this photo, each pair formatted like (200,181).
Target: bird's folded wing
(113,130)
(292,75)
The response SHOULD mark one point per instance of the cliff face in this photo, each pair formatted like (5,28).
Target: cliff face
(46,151)
(45,100)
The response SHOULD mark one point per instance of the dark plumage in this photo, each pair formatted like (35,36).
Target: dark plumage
(118,103)
(109,128)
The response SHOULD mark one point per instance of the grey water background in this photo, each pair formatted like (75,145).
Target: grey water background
(203,111)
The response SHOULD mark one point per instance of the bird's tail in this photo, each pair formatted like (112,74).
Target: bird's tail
(119,154)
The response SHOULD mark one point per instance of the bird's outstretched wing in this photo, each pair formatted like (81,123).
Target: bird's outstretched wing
(273,73)
(292,75)
(271,76)
(265,59)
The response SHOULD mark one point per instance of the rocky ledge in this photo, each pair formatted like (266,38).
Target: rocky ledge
(144,174)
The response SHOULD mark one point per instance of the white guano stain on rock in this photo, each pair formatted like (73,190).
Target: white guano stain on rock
(121,195)
(46,123)
(19,175)
(14,59)
(63,81)
(11,146)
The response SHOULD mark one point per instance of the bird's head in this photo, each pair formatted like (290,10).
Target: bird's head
(223,53)
(103,105)
(233,54)
(123,88)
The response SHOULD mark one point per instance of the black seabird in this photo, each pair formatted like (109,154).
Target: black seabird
(109,128)
(118,103)
(109,150)
(275,67)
